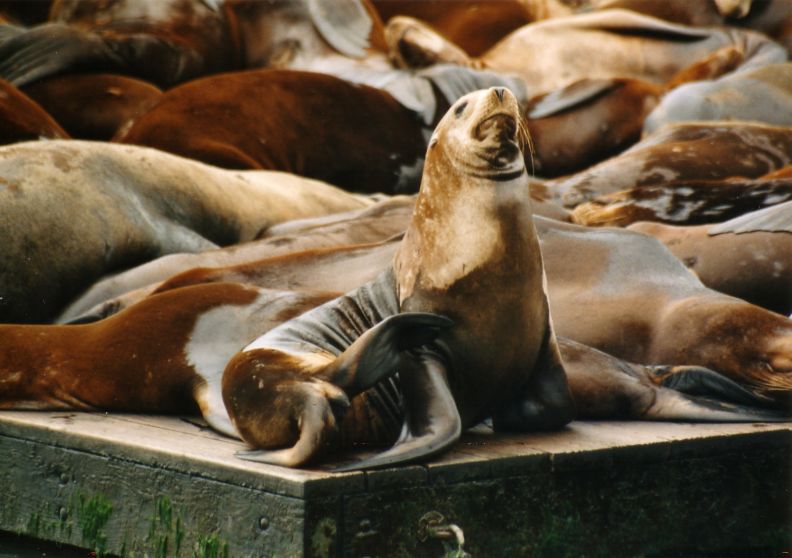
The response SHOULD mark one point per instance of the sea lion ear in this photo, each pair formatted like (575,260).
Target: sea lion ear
(345,24)
(376,354)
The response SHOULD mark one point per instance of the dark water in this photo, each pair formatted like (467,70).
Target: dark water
(13,546)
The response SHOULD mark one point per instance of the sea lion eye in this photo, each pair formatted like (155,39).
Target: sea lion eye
(460,108)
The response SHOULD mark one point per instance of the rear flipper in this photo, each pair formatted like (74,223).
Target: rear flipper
(606,387)
(432,421)
(51,49)
(700,381)
(316,398)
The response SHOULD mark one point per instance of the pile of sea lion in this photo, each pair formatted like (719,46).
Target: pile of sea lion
(330,224)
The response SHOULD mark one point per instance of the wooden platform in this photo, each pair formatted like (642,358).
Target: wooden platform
(143,486)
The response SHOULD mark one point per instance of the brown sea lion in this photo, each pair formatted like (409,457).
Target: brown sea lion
(748,257)
(586,122)
(162,41)
(72,211)
(474,203)
(762,94)
(553,53)
(93,106)
(684,151)
(311,124)
(371,224)
(624,293)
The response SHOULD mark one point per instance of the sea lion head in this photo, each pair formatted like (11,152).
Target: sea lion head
(481,136)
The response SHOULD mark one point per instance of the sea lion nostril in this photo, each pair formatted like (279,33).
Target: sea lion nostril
(499,93)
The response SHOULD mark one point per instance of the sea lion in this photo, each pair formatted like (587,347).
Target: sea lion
(93,106)
(747,257)
(471,238)
(625,294)
(72,211)
(606,44)
(683,151)
(586,122)
(23,119)
(375,223)
(314,125)
(162,41)
(684,202)
(762,94)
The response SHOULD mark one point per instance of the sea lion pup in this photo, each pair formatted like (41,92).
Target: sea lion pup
(72,211)
(625,294)
(762,94)
(370,224)
(749,257)
(471,254)
(684,151)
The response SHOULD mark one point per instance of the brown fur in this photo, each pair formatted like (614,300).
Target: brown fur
(754,266)
(93,106)
(587,133)
(22,119)
(310,124)
(685,151)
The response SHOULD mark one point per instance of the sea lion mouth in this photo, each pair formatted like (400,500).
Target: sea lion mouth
(502,125)
(498,140)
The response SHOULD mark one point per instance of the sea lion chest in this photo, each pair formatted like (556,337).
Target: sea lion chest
(477,261)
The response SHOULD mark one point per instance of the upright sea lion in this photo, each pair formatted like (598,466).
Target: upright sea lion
(749,257)
(470,253)
(72,211)
(684,151)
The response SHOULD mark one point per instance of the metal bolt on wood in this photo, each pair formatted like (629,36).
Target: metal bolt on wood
(433,525)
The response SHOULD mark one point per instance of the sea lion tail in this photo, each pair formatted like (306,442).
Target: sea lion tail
(376,354)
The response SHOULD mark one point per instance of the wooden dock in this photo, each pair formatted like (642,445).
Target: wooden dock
(142,486)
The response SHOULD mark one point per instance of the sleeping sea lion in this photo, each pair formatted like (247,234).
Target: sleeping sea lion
(749,257)
(72,211)
(684,151)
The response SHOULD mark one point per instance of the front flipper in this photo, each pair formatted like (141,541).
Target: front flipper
(544,402)
(51,49)
(314,399)
(672,405)
(376,354)
(432,421)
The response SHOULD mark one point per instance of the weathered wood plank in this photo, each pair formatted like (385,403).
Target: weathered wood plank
(162,486)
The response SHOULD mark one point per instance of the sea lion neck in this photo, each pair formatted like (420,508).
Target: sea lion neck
(473,207)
